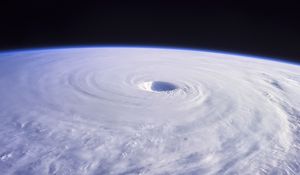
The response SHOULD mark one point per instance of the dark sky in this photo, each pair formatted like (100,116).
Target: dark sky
(270,29)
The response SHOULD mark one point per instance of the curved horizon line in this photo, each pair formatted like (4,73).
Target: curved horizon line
(163,47)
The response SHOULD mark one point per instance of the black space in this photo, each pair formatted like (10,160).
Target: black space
(270,29)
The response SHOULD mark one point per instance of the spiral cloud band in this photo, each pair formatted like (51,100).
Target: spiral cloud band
(126,110)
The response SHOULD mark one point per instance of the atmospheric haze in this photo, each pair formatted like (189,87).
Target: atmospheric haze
(130,110)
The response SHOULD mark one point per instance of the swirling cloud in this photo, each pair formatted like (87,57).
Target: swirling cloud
(118,110)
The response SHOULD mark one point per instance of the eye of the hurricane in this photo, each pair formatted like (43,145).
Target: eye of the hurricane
(162,86)
(158,86)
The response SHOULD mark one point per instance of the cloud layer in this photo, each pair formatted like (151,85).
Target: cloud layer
(147,111)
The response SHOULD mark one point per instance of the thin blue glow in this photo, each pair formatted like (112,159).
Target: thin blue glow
(162,47)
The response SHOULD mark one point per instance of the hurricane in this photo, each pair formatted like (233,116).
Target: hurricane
(139,110)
